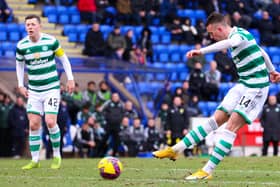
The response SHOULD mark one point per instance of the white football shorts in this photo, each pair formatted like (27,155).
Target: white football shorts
(247,102)
(43,102)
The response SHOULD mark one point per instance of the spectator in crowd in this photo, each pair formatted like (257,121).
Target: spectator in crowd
(63,121)
(125,137)
(87,9)
(124,9)
(213,80)
(239,21)
(99,116)
(212,6)
(270,122)
(202,34)
(162,114)
(84,139)
(197,80)
(266,28)
(104,92)
(200,59)
(90,95)
(116,43)
(226,66)
(242,6)
(193,108)
(76,103)
(186,92)
(152,136)
(274,9)
(114,113)
(276,24)
(137,137)
(168,11)
(177,122)
(145,43)
(18,123)
(129,111)
(5,139)
(101,14)
(129,44)
(95,44)
(99,134)
(164,95)
(176,30)
(178,93)
(5,11)
(189,32)
(137,56)
(84,114)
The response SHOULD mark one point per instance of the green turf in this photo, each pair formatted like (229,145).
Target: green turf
(250,171)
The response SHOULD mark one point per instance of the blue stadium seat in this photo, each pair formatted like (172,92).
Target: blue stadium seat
(275,59)
(155,38)
(73,10)
(175,57)
(63,19)
(105,29)
(199,14)
(52,18)
(3,36)
(48,10)
(166,38)
(273,50)
(9,53)
(82,37)
(209,57)
(69,29)
(12,27)
(174,76)
(125,28)
(212,107)
(138,30)
(170,66)
(203,107)
(61,10)
(82,29)
(183,76)
(223,89)
(14,36)
(75,19)
(273,89)
(2,27)
(164,57)
(72,37)
(183,13)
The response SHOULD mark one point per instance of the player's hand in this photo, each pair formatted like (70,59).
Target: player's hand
(70,86)
(274,76)
(193,53)
(23,91)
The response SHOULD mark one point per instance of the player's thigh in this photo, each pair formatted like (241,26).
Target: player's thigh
(251,103)
(34,103)
(51,101)
(231,99)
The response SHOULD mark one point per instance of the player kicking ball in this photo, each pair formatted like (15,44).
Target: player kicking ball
(38,51)
(243,102)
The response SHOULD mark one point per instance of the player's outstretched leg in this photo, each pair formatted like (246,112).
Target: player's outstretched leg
(220,151)
(193,137)
(34,146)
(55,140)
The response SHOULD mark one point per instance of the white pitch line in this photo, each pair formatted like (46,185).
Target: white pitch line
(151,180)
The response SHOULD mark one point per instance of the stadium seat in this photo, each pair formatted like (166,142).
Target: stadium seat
(48,10)
(14,36)
(9,53)
(72,37)
(166,38)
(82,37)
(211,107)
(273,89)
(203,108)
(199,14)
(183,76)
(2,27)
(61,10)
(63,19)
(175,57)
(75,19)
(155,38)
(52,18)
(73,10)
(163,57)
(3,36)
(67,29)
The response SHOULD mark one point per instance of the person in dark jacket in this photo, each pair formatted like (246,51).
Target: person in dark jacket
(177,121)
(114,113)
(18,123)
(95,44)
(270,122)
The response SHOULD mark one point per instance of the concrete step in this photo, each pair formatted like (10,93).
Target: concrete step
(22,6)
(55,32)
(25,13)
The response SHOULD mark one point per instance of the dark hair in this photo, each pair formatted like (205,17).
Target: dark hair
(215,18)
(91,82)
(31,16)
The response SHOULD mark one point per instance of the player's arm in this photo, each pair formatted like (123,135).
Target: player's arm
(218,46)
(274,75)
(59,52)
(20,73)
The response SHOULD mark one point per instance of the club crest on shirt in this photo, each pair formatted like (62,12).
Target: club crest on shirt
(45,48)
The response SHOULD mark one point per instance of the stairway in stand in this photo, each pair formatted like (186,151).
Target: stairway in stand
(21,9)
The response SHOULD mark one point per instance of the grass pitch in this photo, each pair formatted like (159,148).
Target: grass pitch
(249,171)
